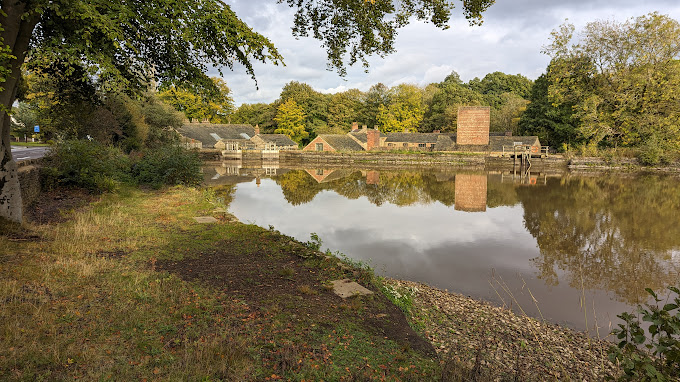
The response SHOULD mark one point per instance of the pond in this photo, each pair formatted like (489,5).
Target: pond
(571,249)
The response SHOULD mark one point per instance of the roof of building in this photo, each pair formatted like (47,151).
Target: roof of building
(278,139)
(497,143)
(362,135)
(445,142)
(210,133)
(341,142)
(412,137)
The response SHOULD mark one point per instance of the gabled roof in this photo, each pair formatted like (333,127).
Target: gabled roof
(497,143)
(210,133)
(278,139)
(341,142)
(412,137)
(362,135)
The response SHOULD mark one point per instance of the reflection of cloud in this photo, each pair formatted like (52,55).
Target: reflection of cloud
(425,226)
(510,41)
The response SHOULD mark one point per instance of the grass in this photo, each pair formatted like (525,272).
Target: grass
(97,298)
(30,144)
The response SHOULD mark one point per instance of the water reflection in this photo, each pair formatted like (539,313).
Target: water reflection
(560,236)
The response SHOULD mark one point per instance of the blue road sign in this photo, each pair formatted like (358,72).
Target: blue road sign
(36,129)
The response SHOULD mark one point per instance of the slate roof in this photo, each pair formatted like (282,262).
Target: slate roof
(496,143)
(445,142)
(208,133)
(341,142)
(362,136)
(412,137)
(278,139)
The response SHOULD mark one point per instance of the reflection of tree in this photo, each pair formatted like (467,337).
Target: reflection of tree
(298,187)
(607,233)
(500,194)
(402,188)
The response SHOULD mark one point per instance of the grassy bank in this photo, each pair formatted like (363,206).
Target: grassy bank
(131,287)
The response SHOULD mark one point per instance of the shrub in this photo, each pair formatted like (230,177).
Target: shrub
(86,164)
(168,165)
(662,340)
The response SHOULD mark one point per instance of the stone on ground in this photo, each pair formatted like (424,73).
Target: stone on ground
(205,219)
(347,288)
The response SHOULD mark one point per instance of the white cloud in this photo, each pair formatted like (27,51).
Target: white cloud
(510,41)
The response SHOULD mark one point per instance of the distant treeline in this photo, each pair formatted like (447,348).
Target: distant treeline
(610,88)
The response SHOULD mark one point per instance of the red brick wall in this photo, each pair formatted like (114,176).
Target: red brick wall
(372,139)
(470,192)
(312,145)
(473,125)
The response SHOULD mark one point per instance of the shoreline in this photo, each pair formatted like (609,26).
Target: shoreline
(500,340)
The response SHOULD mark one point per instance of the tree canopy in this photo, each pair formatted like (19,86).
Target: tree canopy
(621,80)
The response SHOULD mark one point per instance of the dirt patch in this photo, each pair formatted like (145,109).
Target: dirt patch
(56,205)
(277,282)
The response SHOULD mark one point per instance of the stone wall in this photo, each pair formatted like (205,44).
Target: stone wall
(473,125)
(382,158)
(30,181)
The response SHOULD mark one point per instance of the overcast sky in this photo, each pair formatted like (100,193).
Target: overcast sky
(509,41)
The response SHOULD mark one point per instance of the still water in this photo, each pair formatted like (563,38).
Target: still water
(572,249)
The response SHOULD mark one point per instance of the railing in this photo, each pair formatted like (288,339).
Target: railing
(526,150)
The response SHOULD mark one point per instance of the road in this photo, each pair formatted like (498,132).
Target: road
(23,153)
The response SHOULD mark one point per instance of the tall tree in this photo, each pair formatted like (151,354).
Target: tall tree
(124,43)
(378,95)
(442,110)
(554,125)
(622,80)
(260,114)
(290,120)
(405,111)
(216,105)
(313,103)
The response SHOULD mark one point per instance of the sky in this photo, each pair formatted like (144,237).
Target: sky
(509,41)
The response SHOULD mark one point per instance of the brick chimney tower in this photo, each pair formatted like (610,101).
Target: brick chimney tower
(355,126)
(372,139)
(257,129)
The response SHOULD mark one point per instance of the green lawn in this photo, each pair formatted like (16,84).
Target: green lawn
(30,144)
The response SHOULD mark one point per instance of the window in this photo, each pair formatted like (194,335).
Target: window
(319,171)
(421,145)
(405,144)
(319,147)
(390,144)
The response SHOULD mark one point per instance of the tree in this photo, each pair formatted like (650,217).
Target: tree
(507,116)
(343,109)
(127,44)
(260,114)
(552,124)
(215,106)
(314,104)
(405,112)
(442,111)
(378,95)
(290,120)
(622,80)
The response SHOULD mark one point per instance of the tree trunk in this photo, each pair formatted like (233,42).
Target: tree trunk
(17,35)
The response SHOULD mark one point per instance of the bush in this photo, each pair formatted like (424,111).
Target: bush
(86,164)
(168,165)
(662,340)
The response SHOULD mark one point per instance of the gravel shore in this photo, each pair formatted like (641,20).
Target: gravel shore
(502,345)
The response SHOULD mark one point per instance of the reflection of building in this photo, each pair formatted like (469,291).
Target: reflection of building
(372,177)
(326,175)
(471,192)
